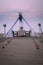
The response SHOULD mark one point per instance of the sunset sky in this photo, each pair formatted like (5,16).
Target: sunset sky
(32,11)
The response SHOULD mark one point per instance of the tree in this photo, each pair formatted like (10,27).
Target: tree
(4,25)
(39,25)
(21,28)
(40,29)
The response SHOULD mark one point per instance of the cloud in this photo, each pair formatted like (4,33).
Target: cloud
(7,5)
(32,10)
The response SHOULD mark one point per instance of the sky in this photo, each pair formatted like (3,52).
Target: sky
(32,11)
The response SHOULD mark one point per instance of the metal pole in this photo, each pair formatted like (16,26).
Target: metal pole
(12,26)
